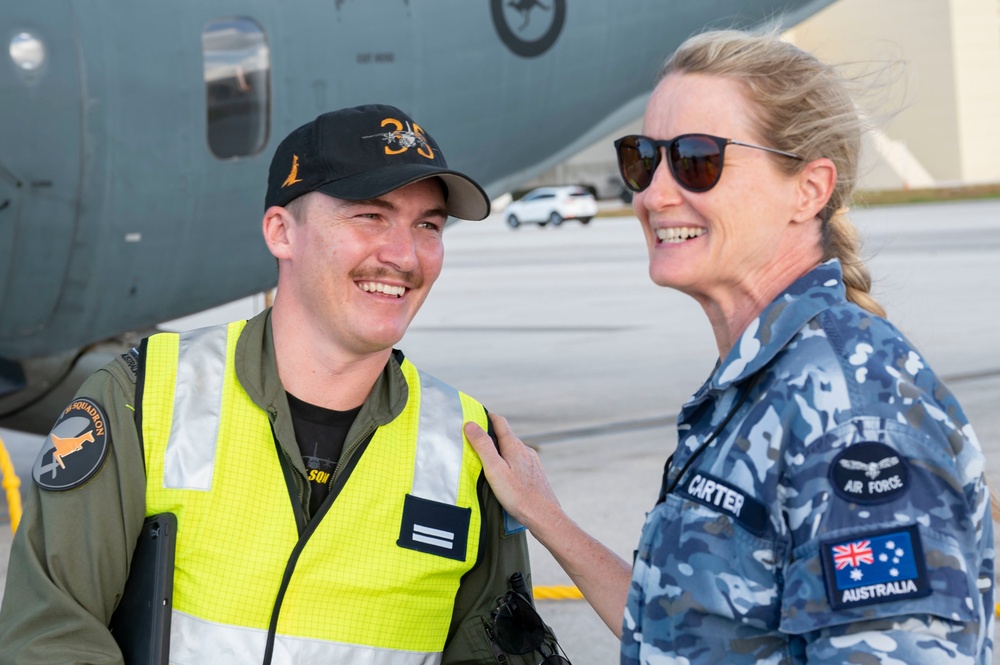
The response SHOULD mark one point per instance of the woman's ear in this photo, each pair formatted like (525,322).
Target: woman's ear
(276,227)
(815,186)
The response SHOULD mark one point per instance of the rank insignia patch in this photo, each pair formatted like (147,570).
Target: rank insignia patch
(874,568)
(434,528)
(76,448)
(869,472)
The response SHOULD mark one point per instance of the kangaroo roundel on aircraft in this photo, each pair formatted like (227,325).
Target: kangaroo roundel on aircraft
(529,28)
(76,448)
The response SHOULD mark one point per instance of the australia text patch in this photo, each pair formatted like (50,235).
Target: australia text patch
(869,472)
(434,528)
(76,448)
(874,567)
(726,498)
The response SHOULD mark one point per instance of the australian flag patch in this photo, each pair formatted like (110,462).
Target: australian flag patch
(874,567)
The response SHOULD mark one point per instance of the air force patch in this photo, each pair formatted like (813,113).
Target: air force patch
(76,447)
(869,472)
(874,568)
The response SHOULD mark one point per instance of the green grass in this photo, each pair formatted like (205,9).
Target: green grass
(902,196)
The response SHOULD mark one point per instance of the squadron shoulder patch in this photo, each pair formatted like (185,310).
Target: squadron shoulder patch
(869,472)
(76,448)
(875,567)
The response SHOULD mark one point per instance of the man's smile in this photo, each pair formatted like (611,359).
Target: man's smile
(380,287)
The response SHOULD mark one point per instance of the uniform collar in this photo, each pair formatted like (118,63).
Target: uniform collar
(817,290)
(257,372)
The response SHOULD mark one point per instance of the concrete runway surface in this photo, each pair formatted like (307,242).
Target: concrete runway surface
(560,330)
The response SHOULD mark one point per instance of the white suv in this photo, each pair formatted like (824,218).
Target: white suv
(552,205)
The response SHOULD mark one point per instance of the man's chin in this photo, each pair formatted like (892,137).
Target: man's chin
(380,341)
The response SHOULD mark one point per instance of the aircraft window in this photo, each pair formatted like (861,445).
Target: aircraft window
(237,85)
(27,51)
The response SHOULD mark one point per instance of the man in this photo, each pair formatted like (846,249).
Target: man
(328,506)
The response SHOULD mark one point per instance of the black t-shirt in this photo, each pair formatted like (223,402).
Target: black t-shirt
(320,434)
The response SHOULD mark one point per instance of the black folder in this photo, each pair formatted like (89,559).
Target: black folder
(141,622)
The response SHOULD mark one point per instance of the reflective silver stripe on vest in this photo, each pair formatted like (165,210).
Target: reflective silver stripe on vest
(439,442)
(190,454)
(195,641)
(201,370)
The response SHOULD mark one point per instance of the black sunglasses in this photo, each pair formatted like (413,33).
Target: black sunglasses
(695,159)
(519,630)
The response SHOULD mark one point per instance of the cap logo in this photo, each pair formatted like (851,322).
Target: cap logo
(404,137)
(293,175)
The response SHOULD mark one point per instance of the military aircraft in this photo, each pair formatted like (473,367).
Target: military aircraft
(135,137)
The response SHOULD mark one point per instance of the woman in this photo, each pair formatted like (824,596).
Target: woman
(826,502)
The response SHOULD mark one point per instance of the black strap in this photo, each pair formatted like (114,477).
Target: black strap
(664,489)
(140,390)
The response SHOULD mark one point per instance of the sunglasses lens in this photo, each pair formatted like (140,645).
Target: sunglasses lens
(696,162)
(518,627)
(637,159)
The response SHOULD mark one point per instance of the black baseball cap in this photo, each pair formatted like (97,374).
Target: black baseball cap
(362,153)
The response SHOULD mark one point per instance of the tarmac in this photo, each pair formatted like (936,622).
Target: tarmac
(561,331)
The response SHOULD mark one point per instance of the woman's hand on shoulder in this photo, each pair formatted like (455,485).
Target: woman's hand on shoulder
(514,472)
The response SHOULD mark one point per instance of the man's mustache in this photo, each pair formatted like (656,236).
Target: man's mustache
(409,279)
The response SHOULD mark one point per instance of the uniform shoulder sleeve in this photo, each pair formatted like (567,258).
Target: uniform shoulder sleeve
(889,531)
(70,556)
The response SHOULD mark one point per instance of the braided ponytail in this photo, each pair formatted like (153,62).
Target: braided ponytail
(842,241)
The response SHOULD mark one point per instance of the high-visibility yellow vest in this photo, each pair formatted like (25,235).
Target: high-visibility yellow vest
(372,580)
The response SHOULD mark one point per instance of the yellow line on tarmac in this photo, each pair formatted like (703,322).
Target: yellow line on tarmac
(572,593)
(556,593)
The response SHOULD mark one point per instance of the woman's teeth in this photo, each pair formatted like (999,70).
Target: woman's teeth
(676,234)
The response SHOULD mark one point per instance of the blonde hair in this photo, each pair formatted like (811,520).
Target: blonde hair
(803,107)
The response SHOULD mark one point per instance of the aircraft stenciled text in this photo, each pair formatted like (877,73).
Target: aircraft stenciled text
(375,58)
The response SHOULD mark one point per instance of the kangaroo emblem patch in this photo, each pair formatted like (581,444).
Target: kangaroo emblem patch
(76,448)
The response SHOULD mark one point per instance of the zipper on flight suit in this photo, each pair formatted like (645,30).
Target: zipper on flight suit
(361,440)
(341,474)
(498,653)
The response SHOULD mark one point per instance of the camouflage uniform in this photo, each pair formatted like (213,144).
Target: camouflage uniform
(839,515)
